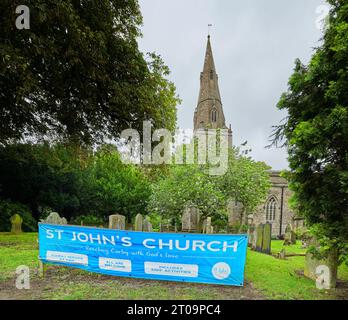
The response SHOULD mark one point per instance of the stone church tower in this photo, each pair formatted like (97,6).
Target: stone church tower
(209,113)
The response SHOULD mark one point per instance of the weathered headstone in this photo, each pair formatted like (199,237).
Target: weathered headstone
(54,218)
(251,230)
(138,224)
(282,254)
(313,265)
(290,236)
(259,237)
(266,239)
(190,219)
(207,228)
(147,226)
(16,223)
(117,222)
(253,244)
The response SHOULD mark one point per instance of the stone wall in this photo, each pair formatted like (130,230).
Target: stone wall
(281,194)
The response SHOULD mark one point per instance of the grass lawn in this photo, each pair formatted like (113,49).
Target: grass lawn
(266,277)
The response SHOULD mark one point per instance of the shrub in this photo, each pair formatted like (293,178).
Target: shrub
(8,209)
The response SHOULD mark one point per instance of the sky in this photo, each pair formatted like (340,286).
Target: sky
(255,44)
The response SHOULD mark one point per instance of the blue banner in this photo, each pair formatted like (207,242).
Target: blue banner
(202,258)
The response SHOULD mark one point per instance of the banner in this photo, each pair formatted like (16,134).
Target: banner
(201,258)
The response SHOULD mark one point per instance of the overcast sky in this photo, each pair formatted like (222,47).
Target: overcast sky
(255,44)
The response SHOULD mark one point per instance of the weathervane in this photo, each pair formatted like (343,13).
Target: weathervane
(209,26)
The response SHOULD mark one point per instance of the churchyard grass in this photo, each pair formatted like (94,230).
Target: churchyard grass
(278,245)
(271,278)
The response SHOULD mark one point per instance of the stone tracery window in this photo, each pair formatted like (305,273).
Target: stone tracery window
(271,207)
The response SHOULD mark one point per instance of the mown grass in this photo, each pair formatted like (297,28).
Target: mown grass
(274,278)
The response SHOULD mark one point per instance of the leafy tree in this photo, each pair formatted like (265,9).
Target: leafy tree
(41,176)
(78,74)
(316,133)
(246,181)
(71,180)
(186,184)
(117,187)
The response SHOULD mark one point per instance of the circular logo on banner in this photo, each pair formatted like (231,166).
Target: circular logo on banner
(221,270)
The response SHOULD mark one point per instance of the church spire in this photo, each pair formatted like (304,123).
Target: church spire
(209,112)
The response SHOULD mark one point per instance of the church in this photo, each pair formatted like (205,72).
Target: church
(209,113)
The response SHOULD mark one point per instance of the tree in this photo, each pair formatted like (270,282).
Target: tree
(78,74)
(183,185)
(246,181)
(116,187)
(71,181)
(316,133)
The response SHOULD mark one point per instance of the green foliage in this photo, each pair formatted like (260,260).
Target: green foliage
(71,181)
(78,74)
(316,133)
(8,209)
(118,188)
(245,180)
(186,184)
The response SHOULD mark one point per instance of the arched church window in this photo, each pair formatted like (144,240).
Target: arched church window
(211,75)
(271,207)
(213,115)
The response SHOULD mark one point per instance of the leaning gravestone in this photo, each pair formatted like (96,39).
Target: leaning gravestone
(290,236)
(147,226)
(54,218)
(190,219)
(266,239)
(138,224)
(117,222)
(259,237)
(312,265)
(16,223)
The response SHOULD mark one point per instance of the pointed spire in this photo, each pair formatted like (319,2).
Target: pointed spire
(209,59)
(209,112)
(209,78)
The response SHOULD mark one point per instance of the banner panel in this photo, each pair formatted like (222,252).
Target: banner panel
(202,258)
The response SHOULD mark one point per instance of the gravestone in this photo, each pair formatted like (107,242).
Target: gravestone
(312,265)
(117,222)
(251,233)
(147,226)
(259,237)
(138,224)
(266,239)
(207,227)
(282,254)
(253,244)
(54,218)
(290,236)
(190,219)
(16,223)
